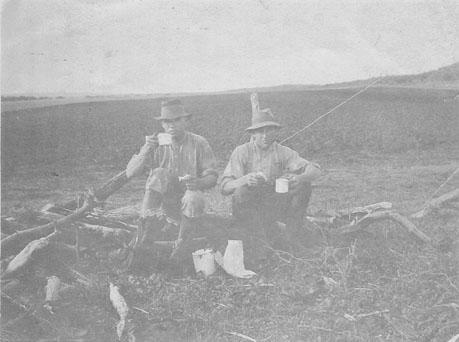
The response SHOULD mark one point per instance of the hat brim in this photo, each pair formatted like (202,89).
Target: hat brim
(263,124)
(173,117)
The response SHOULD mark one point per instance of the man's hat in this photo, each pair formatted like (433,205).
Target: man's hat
(261,117)
(172,109)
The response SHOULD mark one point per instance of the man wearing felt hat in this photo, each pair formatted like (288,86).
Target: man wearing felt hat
(179,168)
(251,174)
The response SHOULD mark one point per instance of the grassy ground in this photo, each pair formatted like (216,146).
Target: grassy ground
(408,291)
(376,285)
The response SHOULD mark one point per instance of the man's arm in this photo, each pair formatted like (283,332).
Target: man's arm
(138,162)
(206,167)
(234,175)
(311,172)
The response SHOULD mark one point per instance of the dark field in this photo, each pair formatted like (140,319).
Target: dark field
(380,120)
(396,145)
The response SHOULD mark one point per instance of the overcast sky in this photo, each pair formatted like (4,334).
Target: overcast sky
(128,46)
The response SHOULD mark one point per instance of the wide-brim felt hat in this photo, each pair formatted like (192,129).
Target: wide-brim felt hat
(172,109)
(263,118)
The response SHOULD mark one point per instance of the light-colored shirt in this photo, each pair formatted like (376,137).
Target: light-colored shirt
(276,161)
(191,156)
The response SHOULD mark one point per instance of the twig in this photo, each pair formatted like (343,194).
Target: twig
(279,253)
(245,337)
(141,310)
(374,313)
(321,328)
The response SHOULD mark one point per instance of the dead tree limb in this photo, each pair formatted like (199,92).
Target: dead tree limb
(437,203)
(101,194)
(25,256)
(105,231)
(16,241)
(383,215)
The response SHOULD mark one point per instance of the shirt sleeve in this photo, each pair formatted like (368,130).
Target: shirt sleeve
(235,167)
(207,162)
(292,161)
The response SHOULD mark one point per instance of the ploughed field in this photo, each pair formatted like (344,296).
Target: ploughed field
(396,145)
(379,120)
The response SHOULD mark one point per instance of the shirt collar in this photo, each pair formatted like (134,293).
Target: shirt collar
(260,151)
(182,141)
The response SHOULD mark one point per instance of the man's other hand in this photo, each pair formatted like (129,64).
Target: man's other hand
(193,183)
(254,179)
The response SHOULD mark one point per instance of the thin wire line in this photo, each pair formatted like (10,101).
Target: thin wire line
(440,187)
(331,110)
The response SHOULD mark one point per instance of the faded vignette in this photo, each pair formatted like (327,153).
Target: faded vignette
(366,90)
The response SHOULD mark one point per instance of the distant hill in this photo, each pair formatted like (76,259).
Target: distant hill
(445,77)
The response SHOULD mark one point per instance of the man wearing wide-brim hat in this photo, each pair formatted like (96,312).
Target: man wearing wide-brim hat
(251,173)
(179,168)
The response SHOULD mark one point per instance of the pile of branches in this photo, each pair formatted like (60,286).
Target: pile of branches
(76,234)
(76,229)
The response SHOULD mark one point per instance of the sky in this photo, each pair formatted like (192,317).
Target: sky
(145,47)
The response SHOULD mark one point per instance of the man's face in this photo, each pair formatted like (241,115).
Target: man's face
(175,127)
(265,136)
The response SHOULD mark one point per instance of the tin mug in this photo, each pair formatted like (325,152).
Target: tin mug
(281,185)
(164,139)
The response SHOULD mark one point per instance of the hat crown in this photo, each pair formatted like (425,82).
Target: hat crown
(261,117)
(172,109)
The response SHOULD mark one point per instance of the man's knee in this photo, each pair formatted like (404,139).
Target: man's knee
(301,195)
(243,194)
(193,204)
(159,180)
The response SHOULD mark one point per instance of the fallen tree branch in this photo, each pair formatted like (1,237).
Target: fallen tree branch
(96,217)
(105,231)
(383,215)
(100,194)
(365,209)
(437,203)
(25,256)
(16,241)
(119,303)
(174,243)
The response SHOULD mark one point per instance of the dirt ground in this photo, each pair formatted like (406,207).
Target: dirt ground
(376,285)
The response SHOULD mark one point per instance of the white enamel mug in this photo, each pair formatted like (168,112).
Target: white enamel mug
(281,185)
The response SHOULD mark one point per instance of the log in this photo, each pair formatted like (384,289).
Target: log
(94,219)
(15,242)
(366,209)
(105,231)
(383,215)
(121,308)
(101,194)
(25,256)
(437,203)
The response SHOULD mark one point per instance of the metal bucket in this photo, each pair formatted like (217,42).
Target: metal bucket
(204,261)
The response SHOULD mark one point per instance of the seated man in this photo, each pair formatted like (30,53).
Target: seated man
(250,178)
(178,170)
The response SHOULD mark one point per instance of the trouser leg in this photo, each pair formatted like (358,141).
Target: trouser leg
(246,209)
(294,214)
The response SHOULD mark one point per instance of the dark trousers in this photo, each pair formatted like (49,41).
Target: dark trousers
(257,211)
